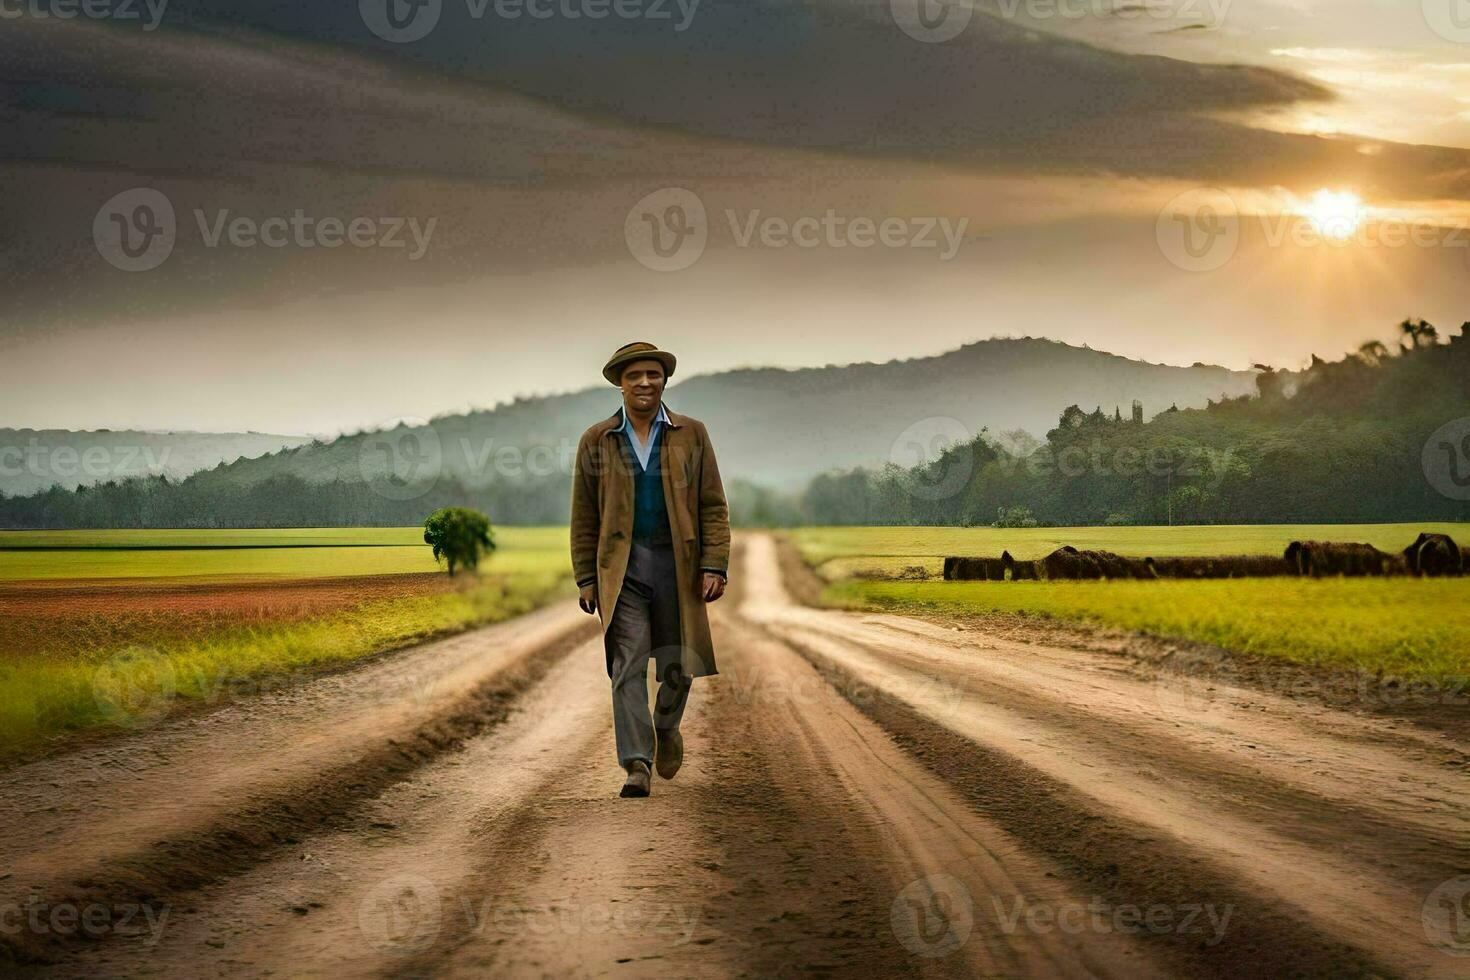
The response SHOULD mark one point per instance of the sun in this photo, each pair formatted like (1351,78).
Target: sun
(1334,214)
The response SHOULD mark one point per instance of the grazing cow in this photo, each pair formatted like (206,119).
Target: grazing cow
(1318,558)
(1434,554)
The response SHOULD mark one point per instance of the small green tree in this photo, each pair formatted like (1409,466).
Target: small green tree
(460,536)
(1017,516)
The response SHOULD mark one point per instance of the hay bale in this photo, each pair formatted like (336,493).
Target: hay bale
(1182,567)
(1220,566)
(1254,566)
(960,569)
(1069,564)
(1434,555)
(1019,571)
(957,569)
(914,573)
(1117,566)
(1318,558)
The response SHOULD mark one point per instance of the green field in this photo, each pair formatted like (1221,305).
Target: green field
(1415,629)
(839,552)
(139,624)
(291,537)
(286,554)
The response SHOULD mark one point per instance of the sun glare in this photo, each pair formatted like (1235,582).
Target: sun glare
(1334,214)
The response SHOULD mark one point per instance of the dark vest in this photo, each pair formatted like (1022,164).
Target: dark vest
(650,510)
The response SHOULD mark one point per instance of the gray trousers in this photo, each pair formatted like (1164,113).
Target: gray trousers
(645,625)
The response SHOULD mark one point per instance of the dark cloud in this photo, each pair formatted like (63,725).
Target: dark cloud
(530,139)
(211,93)
(830,74)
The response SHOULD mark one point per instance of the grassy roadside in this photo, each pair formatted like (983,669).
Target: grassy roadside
(287,553)
(91,672)
(41,698)
(1413,629)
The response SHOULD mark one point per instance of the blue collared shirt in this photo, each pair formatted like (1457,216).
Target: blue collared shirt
(644,449)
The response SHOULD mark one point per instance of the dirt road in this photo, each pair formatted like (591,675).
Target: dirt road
(863,795)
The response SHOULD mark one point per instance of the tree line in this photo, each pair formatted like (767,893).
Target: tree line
(284,500)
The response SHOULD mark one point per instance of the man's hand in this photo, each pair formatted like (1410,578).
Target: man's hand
(588,599)
(714,586)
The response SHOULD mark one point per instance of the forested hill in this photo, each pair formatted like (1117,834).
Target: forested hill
(34,459)
(1382,435)
(781,427)
(848,415)
(772,427)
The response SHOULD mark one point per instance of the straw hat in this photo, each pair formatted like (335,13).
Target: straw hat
(639,350)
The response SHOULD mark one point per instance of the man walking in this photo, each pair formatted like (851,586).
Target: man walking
(650,546)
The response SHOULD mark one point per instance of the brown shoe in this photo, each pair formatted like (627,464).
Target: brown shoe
(669,754)
(638,780)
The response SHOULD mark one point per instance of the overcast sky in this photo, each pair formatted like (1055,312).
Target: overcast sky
(285,218)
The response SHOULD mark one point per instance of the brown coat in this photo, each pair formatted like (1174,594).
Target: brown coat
(602,521)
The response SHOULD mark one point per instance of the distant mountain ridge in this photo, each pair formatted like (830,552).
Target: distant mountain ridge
(779,427)
(36,459)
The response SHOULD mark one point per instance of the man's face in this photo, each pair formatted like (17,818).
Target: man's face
(643,385)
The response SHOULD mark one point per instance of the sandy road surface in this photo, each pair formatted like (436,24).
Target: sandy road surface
(863,796)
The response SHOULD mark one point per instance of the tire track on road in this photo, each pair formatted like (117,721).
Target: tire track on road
(413,873)
(201,807)
(1136,836)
